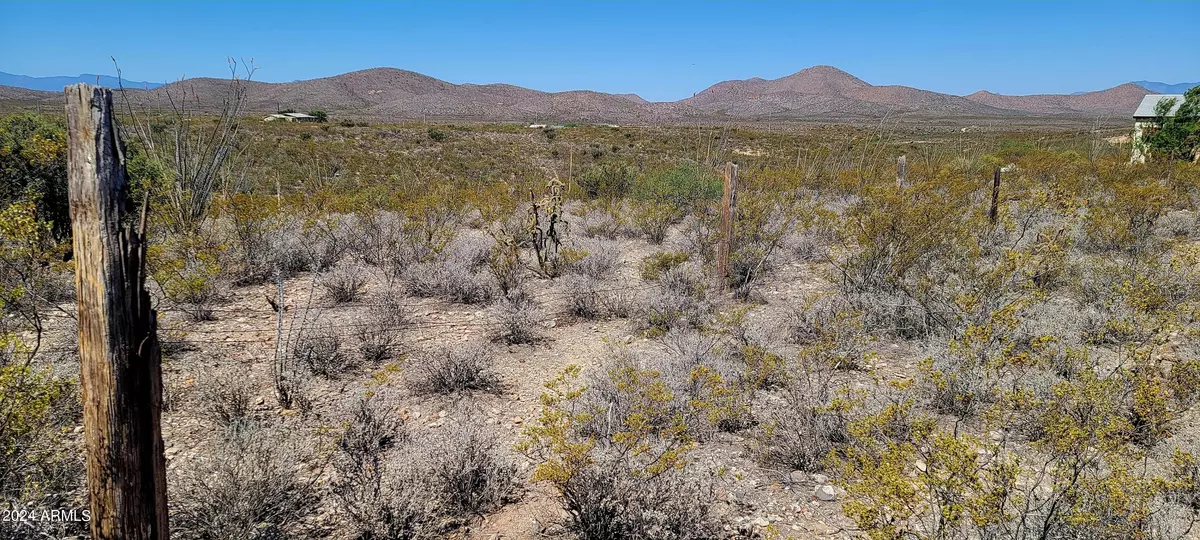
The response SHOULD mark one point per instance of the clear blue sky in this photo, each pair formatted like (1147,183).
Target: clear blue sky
(661,50)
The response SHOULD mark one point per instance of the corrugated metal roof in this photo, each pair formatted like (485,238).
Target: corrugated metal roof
(1146,108)
(298,115)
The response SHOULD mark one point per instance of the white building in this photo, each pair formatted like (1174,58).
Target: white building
(1145,122)
(290,117)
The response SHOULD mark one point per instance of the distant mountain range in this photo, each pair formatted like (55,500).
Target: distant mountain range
(819,93)
(1164,88)
(56,84)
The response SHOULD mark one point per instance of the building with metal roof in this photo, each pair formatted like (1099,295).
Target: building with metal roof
(1145,122)
(1145,109)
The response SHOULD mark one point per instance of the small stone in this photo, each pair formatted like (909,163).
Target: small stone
(517,420)
(996,436)
(826,493)
(494,411)
(920,465)
(796,477)
(416,415)
(437,423)
(760,522)
(628,339)
(442,413)
(260,400)
(820,479)
(77,430)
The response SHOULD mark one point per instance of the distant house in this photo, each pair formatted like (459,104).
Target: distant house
(291,117)
(1145,122)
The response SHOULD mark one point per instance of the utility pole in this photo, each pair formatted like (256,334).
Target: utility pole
(120,360)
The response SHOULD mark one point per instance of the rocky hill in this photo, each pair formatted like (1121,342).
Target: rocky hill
(818,93)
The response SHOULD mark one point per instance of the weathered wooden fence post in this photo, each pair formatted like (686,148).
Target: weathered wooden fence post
(994,210)
(901,172)
(728,204)
(121,370)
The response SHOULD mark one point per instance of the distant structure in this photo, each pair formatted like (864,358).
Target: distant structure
(291,117)
(1145,122)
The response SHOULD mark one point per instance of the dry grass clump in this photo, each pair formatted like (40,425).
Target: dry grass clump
(227,398)
(599,259)
(396,487)
(518,318)
(461,368)
(379,334)
(249,486)
(679,300)
(344,284)
(457,275)
(320,350)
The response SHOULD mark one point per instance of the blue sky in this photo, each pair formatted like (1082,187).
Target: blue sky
(660,50)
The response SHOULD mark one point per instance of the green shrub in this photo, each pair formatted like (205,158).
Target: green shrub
(33,167)
(655,264)
(607,180)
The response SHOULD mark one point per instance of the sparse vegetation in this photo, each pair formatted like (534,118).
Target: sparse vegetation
(921,371)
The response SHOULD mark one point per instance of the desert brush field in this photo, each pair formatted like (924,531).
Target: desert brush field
(484,331)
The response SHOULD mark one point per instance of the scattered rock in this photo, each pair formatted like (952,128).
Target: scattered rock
(628,339)
(797,477)
(437,423)
(77,430)
(442,413)
(826,493)
(760,522)
(920,465)
(820,479)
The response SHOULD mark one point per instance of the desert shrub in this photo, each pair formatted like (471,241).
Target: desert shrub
(830,332)
(602,218)
(682,188)
(599,260)
(379,333)
(454,283)
(679,300)
(320,350)
(1124,219)
(626,480)
(36,464)
(440,480)
(33,167)
(324,243)
(700,235)
(381,502)
(761,223)
(248,487)
(653,219)
(437,135)
(812,420)
(606,180)
(455,369)
(344,284)
(188,270)
(456,277)
(226,398)
(469,471)
(504,263)
(518,318)
(583,297)
(656,263)
(1177,224)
